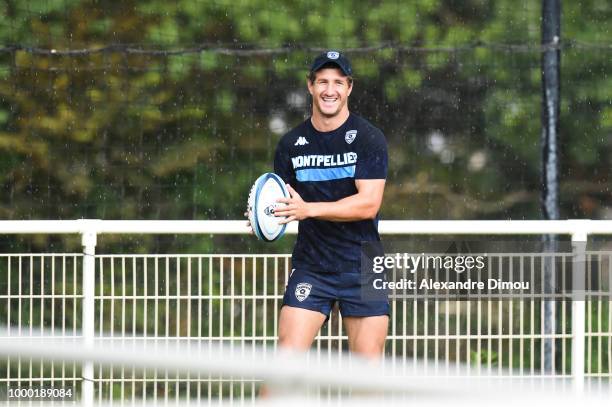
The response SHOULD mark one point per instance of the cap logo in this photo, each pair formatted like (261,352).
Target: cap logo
(333,55)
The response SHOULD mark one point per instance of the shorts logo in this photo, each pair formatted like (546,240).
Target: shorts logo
(302,291)
(350,135)
(333,55)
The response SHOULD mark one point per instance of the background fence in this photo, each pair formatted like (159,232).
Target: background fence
(235,299)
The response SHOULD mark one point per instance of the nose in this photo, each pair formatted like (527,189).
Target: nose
(329,89)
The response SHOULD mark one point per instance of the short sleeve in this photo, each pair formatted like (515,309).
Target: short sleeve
(282,164)
(372,157)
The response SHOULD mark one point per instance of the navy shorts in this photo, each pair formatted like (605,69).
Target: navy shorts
(318,291)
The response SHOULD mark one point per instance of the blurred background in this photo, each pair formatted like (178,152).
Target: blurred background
(171,109)
(158,109)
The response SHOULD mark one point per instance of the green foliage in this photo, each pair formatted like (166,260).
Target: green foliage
(118,135)
(484,358)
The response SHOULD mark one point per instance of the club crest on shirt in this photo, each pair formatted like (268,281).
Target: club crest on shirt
(302,291)
(350,135)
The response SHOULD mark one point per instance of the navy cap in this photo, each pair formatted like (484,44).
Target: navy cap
(333,57)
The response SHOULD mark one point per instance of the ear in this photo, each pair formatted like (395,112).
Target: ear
(350,88)
(309,85)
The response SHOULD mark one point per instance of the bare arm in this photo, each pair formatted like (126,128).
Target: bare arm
(362,205)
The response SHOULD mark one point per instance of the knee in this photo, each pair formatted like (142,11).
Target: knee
(291,341)
(368,347)
(370,351)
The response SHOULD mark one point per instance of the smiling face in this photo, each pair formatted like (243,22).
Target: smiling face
(330,90)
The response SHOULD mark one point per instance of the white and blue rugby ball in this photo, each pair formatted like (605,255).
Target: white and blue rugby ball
(262,203)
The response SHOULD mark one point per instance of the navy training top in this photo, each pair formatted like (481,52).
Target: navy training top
(323,167)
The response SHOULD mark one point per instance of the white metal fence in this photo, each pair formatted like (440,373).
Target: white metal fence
(235,299)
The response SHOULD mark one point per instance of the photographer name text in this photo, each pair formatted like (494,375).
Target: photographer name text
(430,284)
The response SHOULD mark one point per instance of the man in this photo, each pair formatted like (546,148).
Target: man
(335,165)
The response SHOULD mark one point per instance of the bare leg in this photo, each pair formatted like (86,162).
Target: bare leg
(366,335)
(297,328)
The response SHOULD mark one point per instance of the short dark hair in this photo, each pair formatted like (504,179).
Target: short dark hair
(313,74)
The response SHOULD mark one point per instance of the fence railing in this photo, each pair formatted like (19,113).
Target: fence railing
(235,299)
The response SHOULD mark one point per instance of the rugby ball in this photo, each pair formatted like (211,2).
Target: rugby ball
(262,203)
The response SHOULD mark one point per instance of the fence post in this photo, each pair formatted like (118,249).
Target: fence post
(88,239)
(579,241)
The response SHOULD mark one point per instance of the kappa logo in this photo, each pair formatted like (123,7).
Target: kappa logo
(350,135)
(301,141)
(333,55)
(302,291)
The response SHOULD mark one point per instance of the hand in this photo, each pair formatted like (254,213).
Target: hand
(248,223)
(296,208)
